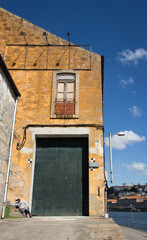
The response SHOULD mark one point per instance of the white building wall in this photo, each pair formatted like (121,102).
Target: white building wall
(7,105)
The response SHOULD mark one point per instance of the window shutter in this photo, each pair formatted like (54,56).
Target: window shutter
(60,92)
(70,91)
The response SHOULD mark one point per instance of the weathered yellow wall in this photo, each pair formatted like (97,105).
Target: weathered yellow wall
(34,105)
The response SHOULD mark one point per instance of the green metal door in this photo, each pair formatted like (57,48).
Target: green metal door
(61,177)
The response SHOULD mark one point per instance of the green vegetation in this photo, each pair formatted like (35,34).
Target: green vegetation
(113,197)
(7,212)
(132,194)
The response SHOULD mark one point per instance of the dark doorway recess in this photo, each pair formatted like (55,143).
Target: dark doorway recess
(61,178)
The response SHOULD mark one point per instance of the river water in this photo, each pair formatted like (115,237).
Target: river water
(130,219)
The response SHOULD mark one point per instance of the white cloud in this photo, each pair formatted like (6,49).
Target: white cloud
(124,83)
(133,93)
(137,166)
(131,81)
(136,111)
(128,55)
(121,142)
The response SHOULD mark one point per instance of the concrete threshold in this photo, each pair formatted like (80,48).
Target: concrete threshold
(60,228)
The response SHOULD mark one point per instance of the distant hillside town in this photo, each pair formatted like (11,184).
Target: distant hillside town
(126,189)
(128,197)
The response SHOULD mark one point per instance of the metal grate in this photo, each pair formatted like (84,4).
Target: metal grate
(47,57)
(67,108)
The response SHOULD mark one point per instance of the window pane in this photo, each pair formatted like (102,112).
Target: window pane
(60,96)
(61,87)
(70,96)
(70,87)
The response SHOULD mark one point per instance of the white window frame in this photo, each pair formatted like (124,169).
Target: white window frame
(54,92)
(61,78)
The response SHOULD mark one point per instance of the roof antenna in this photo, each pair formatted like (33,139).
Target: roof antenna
(24,35)
(45,34)
(68,34)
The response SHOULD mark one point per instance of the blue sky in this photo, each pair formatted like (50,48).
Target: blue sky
(118,30)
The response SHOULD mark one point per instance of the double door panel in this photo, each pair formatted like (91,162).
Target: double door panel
(61,177)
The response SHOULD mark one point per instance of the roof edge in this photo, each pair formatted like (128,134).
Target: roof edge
(9,77)
(42,29)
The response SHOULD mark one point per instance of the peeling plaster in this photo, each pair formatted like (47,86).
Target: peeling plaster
(16,177)
(98,149)
(26,150)
(51,131)
(93,151)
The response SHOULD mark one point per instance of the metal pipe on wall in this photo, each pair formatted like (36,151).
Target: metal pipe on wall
(110,151)
(9,162)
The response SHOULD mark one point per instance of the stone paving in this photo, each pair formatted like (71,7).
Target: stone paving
(133,234)
(60,228)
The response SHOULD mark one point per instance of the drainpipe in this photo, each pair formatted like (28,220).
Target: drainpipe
(9,162)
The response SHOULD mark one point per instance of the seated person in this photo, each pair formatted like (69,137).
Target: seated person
(22,206)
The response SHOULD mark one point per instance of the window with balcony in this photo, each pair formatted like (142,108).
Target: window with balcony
(65,95)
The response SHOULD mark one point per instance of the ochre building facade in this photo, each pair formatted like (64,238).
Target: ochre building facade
(57,162)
